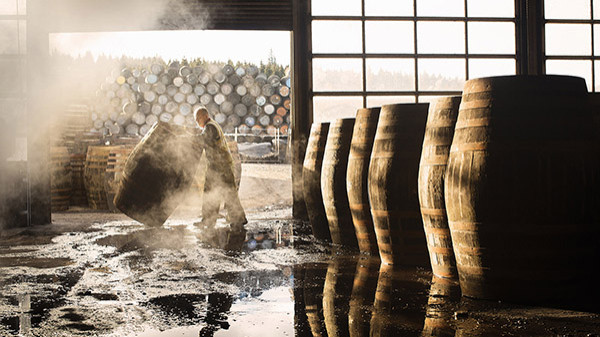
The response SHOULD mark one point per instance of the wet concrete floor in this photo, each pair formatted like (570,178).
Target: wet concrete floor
(101,274)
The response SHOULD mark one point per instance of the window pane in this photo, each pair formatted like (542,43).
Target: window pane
(378,39)
(8,7)
(596,9)
(11,77)
(327,109)
(8,37)
(441,74)
(22,7)
(491,67)
(491,37)
(390,74)
(336,7)
(22,36)
(568,39)
(389,8)
(597,74)
(440,8)
(440,37)
(491,8)
(579,68)
(374,101)
(567,9)
(337,37)
(337,74)
(596,40)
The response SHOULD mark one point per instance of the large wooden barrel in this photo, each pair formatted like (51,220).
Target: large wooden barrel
(400,300)
(521,190)
(432,170)
(94,176)
(362,297)
(158,173)
(336,295)
(114,171)
(393,175)
(60,178)
(444,293)
(313,298)
(311,180)
(357,179)
(78,194)
(333,183)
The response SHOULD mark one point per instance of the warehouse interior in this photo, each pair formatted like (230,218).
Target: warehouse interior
(309,135)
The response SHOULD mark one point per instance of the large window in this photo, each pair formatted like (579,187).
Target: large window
(12,79)
(572,30)
(373,52)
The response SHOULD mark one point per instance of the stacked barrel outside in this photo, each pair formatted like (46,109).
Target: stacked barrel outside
(521,190)
(432,169)
(311,179)
(357,179)
(393,175)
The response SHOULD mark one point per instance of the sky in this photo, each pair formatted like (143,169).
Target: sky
(221,45)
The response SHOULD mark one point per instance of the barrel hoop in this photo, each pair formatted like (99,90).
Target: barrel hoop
(359,207)
(433,211)
(434,161)
(473,123)
(404,213)
(475,146)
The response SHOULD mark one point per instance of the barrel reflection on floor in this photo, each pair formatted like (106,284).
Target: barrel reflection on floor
(336,295)
(400,299)
(362,297)
(313,297)
(442,295)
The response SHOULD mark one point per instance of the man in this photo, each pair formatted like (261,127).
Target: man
(220,181)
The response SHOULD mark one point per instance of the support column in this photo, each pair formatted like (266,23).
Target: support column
(301,100)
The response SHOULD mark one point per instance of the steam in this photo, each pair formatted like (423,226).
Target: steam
(53,82)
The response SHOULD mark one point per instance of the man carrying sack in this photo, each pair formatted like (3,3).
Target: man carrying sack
(220,183)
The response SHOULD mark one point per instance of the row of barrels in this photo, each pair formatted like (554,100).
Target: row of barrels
(92,179)
(350,297)
(498,185)
(87,180)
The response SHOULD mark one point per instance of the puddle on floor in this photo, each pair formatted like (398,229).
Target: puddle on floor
(124,280)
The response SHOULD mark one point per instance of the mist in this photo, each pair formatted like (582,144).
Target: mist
(39,91)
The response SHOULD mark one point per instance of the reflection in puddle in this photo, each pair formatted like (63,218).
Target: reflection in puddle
(130,281)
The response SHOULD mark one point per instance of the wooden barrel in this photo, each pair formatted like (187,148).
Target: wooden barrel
(313,297)
(357,179)
(400,299)
(60,178)
(114,170)
(443,294)
(521,190)
(336,295)
(362,297)
(432,169)
(78,194)
(393,175)
(94,176)
(333,183)
(158,173)
(311,180)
